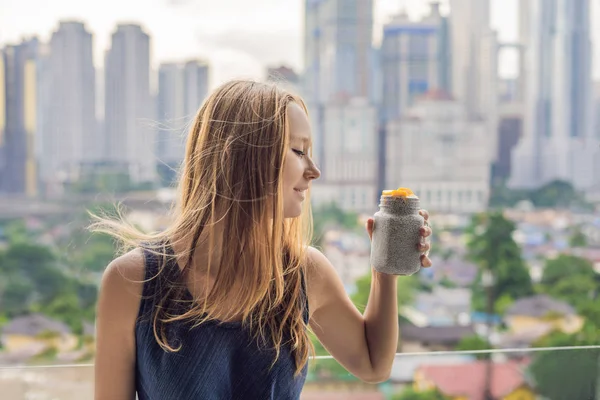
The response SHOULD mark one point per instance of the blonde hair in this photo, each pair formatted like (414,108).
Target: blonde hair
(232,174)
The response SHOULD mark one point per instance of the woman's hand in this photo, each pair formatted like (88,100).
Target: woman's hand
(424,243)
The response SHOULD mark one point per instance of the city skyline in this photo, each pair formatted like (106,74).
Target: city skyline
(237,39)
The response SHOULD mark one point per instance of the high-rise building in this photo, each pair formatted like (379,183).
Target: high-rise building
(181,90)
(129,114)
(475,80)
(440,153)
(474,55)
(510,131)
(18,119)
(415,58)
(597,110)
(349,164)
(70,138)
(3,163)
(339,60)
(558,140)
(338,49)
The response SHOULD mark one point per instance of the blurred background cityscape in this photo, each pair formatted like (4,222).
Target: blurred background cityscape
(488,109)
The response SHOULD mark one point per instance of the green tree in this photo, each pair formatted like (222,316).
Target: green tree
(405,293)
(577,238)
(556,194)
(566,374)
(66,308)
(502,196)
(332,215)
(15,231)
(569,278)
(474,343)
(34,281)
(447,283)
(492,247)
(30,275)
(93,254)
(411,394)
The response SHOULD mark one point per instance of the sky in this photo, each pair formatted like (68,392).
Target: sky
(238,38)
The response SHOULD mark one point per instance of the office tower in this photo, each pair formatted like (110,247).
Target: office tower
(338,49)
(350,156)
(558,141)
(129,114)
(18,119)
(71,139)
(182,87)
(440,153)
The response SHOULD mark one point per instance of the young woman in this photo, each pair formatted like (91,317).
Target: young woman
(217,305)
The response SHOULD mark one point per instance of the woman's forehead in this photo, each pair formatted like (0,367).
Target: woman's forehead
(298,123)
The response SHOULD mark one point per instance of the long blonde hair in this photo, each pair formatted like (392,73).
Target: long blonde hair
(232,175)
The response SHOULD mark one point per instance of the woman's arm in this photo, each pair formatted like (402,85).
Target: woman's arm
(118,306)
(364,344)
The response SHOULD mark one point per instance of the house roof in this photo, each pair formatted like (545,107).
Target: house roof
(310,395)
(539,306)
(468,380)
(435,334)
(34,324)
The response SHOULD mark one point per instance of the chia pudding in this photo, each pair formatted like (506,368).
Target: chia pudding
(396,233)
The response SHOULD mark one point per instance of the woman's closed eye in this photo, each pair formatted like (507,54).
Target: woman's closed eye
(299,153)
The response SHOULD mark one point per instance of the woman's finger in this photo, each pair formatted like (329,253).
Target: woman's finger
(426,231)
(426,261)
(423,247)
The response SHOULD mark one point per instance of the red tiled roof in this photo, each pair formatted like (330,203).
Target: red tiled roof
(468,380)
(309,395)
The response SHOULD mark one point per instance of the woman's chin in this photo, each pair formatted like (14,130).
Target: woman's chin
(293,212)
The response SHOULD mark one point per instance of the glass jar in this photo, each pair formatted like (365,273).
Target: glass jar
(396,236)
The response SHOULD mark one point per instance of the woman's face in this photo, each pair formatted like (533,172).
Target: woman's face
(298,168)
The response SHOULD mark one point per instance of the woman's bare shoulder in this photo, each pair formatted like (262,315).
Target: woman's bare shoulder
(123,279)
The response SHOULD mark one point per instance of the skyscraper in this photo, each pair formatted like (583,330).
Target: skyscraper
(350,158)
(339,59)
(3,163)
(473,54)
(18,119)
(129,112)
(475,63)
(558,140)
(338,49)
(70,136)
(415,59)
(439,134)
(181,90)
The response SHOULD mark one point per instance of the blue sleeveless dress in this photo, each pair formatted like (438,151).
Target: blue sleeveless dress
(217,361)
